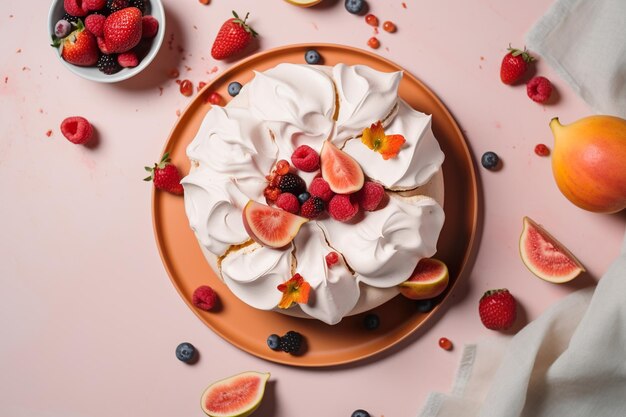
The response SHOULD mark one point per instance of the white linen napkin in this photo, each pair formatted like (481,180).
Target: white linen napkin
(571,362)
(585,42)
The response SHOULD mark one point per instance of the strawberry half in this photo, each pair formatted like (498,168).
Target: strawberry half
(122,30)
(497,309)
(233,37)
(514,65)
(165,176)
(79,47)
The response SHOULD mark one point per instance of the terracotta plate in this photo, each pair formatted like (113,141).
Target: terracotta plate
(248,328)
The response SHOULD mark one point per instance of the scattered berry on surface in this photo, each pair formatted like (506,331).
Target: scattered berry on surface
(320,188)
(389,27)
(360,413)
(370,196)
(204,1)
(204,298)
(128,59)
(186,88)
(185,352)
(291,342)
(490,160)
(342,208)
(165,176)
(77,129)
(497,309)
(173,73)
(514,65)
(424,306)
(288,202)
(312,208)
(331,259)
(215,98)
(201,85)
(312,57)
(271,193)
(354,6)
(373,42)
(282,167)
(539,89)
(233,37)
(371,20)
(302,198)
(95,24)
(305,159)
(273,342)
(292,183)
(445,343)
(62,28)
(149,27)
(542,150)
(371,321)
(234,88)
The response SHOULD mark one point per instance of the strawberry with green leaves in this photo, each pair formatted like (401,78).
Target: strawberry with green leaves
(233,37)
(79,47)
(165,176)
(514,65)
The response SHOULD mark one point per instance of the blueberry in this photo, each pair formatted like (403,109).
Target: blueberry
(360,413)
(273,341)
(371,322)
(62,28)
(355,6)
(490,160)
(302,198)
(185,352)
(312,57)
(234,88)
(424,306)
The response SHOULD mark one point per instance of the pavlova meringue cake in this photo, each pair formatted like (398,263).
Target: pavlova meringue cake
(331,268)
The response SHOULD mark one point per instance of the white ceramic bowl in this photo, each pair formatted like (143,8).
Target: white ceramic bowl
(92,73)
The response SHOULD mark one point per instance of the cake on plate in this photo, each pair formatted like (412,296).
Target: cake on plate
(363,173)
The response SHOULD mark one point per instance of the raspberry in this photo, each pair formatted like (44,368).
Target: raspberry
(542,150)
(305,159)
(204,298)
(312,208)
(342,208)
(116,5)
(370,196)
(149,27)
(77,129)
(108,64)
(95,24)
(331,259)
(103,46)
(288,202)
(128,59)
(291,183)
(320,188)
(74,7)
(93,5)
(291,342)
(539,89)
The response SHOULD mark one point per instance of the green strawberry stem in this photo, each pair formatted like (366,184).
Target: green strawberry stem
(160,165)
(243,24)
(527,57)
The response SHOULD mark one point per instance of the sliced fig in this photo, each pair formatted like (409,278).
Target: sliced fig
(340,170)
(269,226)
(237,396)
(545,256)
(429,279)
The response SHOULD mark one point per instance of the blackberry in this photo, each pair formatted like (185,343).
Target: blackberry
(70,18)
(115,5)
(291,183)
(108,64)
(291,342)
(140,4)
(312,208)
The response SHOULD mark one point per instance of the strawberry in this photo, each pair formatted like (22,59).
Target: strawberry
(79,48)
(122,30)
(233,37)
(514,65)
(165,176)
(497,309)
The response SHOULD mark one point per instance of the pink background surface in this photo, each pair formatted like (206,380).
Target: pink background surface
(88,316)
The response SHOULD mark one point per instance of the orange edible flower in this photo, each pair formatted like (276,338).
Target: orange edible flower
(296,290)
(387,145)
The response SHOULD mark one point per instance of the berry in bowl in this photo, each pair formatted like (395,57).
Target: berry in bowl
(106,40)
